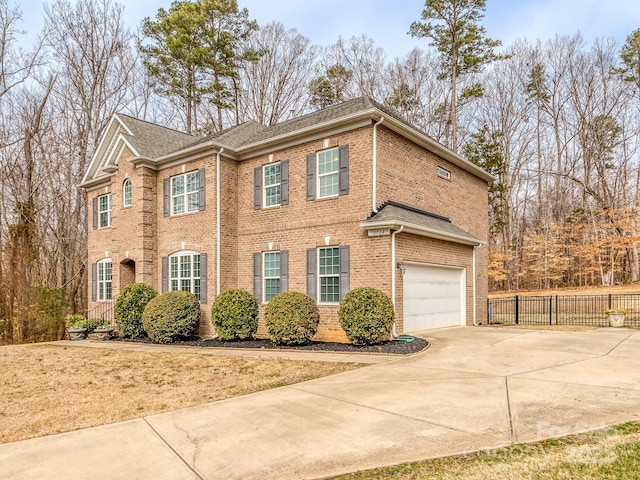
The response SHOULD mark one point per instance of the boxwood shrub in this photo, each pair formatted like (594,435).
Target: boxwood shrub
(292,318)
(129,307)
(171,316)
(366,316)
(235,315)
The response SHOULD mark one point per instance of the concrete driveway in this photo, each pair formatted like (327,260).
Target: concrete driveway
(475,388)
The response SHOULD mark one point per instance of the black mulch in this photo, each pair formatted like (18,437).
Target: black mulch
(392,347)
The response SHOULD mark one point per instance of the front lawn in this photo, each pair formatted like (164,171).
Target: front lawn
(47,389)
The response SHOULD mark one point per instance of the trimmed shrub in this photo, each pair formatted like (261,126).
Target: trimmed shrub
(366,316)
(292,318)
(75,321)
(235,315)
(129,307)
(171,316)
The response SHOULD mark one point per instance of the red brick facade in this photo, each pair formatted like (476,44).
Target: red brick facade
(406,173)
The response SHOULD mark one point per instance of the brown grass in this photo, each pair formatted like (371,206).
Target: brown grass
(601,290)
(47,389)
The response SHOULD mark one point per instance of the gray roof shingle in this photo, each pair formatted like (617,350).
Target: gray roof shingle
(151,140)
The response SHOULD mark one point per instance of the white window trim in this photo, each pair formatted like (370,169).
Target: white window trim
(265,278)
(108,211)
(185,195)
(124,194)
(100,293)
(319,288)
(265,186)
(179,279)
(319,175)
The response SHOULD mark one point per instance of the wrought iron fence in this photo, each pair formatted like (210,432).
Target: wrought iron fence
(589,310)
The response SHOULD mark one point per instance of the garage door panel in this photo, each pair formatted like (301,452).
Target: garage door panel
(432,297)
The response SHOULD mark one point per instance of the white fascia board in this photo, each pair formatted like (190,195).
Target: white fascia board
(124,125)
(423,232)
(103,138)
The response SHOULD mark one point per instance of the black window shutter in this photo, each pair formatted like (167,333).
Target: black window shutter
(165,274)
(344,271)
(95,213)
(257,275)
(284,270)
(203,278)
(165,196)
(284,182)
(311,273)
(94,282)
(311,176)
(257,188)
(344,170)
(202,197)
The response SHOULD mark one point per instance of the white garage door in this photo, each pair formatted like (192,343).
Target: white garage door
(433,297)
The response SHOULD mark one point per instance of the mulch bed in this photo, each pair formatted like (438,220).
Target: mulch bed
(392,347)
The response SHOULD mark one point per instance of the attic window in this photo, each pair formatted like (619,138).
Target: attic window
(444,173)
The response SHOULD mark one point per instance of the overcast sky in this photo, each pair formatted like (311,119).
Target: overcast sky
(387,21)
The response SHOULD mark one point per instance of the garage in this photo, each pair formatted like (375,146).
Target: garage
(433,297)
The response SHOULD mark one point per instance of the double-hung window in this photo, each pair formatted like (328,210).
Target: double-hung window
(104,284)
(184,272)
(126,193)
(329,274)
(328,173)
(271,275)
(104,210)
(272,181)
(185,193)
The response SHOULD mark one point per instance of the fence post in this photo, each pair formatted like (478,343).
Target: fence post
(556,309)
(516,309)
(551,310)
(609,307)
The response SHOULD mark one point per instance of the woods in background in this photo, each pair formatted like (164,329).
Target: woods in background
(557,122)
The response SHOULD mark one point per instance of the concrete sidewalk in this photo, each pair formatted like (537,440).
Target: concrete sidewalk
(475,388)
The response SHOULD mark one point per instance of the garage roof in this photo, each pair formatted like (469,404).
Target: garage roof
(393,215)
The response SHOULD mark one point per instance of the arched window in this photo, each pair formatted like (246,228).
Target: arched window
(103,280)
(184,272)
(126,193)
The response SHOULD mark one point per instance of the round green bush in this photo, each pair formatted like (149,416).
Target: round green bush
(292,318)
(129,307)
(171,316)
(366,316)
(235,315)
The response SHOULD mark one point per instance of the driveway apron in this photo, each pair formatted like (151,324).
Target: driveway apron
(475,388)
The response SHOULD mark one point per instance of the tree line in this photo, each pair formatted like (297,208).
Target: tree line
(556,121)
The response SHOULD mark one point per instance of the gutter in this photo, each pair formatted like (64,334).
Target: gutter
(393,276)
(473,281)
(374,200)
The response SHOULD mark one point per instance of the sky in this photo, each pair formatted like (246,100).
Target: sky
(387,22)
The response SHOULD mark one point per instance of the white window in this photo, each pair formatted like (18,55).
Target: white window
(185,193)
(329,274)
(444,173)
(272,183)
(184,272)
(271,275)
(104,211)
(126,193)
(104,280)
(328,173)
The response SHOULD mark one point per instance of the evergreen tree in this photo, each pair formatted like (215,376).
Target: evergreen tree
(452,26)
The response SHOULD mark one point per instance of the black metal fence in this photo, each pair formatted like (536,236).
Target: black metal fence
(103,312)
(587,310)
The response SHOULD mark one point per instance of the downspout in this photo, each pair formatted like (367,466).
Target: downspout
(473,281)
(393,276)
(374,195)
(218,221)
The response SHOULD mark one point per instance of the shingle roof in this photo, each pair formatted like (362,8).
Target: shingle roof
(393,213)
(151,140)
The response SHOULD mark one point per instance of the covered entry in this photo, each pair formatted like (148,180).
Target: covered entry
(433,296)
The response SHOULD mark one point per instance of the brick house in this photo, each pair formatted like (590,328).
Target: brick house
(344,197)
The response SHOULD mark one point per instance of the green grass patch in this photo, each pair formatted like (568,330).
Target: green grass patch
(611,453)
